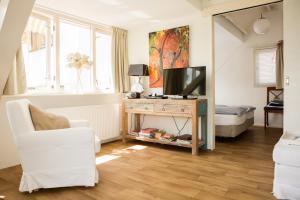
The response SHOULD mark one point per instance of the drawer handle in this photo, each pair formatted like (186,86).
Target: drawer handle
(146,108)
(163,109)
(182,109)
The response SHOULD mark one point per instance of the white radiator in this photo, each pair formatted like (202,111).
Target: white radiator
(104,119)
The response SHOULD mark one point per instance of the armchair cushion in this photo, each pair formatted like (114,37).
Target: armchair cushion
(47,121)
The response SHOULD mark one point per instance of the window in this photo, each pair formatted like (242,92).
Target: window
(74,38)
(36,51)
(103,61)
(265,66)
(47,41)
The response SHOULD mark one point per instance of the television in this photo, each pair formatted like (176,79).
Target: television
(190,81)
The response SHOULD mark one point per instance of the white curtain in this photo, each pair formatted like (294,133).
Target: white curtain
(16,82)
(120,59)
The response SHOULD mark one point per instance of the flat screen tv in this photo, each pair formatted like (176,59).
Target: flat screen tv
(185,81)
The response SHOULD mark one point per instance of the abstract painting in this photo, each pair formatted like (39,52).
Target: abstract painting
(167,49)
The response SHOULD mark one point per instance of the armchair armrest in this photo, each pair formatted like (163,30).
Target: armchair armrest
(79,123)
(54,138)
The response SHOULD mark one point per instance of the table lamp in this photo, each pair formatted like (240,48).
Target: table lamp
(138,70)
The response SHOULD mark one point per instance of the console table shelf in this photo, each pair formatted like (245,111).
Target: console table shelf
(162,142)
(194,109)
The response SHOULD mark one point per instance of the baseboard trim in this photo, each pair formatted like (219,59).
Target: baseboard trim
(272,126)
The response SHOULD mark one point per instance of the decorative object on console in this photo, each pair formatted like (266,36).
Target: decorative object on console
(168,137)
(137,70)
(79,62)
(159,133)
(168,49)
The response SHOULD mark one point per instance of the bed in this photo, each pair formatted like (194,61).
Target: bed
(231,121)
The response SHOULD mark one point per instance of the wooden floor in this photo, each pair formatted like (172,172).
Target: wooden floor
(239,168)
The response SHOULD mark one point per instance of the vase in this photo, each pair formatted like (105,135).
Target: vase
(79,86)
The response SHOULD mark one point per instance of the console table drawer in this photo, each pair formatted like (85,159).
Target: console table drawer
(139,107)
(173,108)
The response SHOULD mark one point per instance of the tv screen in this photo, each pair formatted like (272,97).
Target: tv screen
(185,81)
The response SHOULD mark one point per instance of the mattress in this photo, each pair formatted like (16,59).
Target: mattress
(233,130)
(233,125)
(226,120)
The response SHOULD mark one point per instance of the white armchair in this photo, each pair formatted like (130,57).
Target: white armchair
(54,158)
(286,184)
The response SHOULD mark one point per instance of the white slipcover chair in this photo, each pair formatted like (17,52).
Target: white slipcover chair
(54,158)
(286,156)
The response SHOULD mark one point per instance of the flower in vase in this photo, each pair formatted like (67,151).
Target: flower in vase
(78,61)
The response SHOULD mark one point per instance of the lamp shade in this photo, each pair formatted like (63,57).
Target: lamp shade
(138,70)
(261,26)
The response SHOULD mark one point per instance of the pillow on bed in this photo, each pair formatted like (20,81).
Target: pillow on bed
(233,110)
(230,110)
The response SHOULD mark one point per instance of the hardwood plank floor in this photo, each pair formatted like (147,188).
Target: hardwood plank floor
(239,169)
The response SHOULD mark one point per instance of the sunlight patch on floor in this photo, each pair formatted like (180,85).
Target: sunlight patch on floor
(106,158)
(128,150)
(116,154)
(137,147)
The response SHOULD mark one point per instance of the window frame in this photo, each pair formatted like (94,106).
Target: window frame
(53,58)
(47,19)
(79,24)
(256,83)
(104,32)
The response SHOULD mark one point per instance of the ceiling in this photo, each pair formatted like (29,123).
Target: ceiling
(240,23)
(130,13)
(244,19)
(123,13)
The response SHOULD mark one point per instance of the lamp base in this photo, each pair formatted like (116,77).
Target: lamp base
(137,86)
(134,95)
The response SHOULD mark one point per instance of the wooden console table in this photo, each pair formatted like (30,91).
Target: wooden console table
(165,107)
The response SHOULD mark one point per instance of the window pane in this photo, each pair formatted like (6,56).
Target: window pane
(265,61)
(103,61)
(34,47)
(74,38)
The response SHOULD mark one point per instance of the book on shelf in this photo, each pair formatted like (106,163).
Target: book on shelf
(148,132)
(184,137)
(168,137)
(134,133)
(147,135)
(153,133)
(185,142)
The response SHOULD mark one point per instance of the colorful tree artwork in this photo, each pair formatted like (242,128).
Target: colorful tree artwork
(167,49)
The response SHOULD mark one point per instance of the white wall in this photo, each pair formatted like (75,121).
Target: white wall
(200,55)
(235,68)
(291,32)
(8,152)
